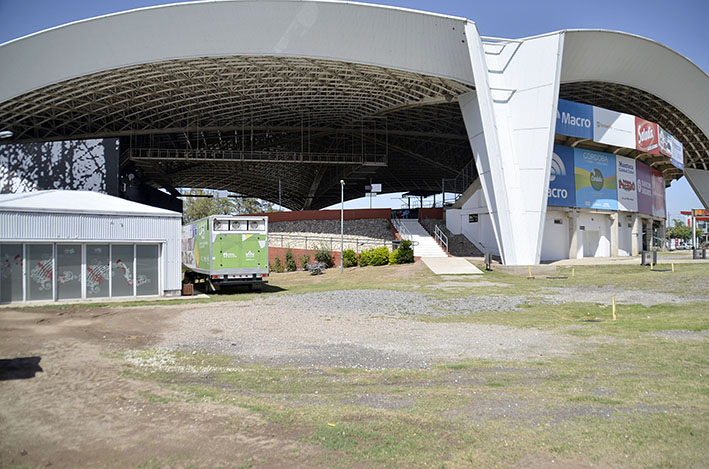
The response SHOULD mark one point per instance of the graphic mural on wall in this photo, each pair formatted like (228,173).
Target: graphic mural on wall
(41,274)
(562,191)
(627,190)
(596,182)
(90,165)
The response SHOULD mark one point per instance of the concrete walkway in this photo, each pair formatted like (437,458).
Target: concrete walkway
(427,246)
(450,266)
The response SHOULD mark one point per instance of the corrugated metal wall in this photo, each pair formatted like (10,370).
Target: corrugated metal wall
(57,227)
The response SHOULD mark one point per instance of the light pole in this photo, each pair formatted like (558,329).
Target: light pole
(342,222)
(5,134)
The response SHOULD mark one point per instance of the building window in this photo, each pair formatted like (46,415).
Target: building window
(40,272)
(97,271)
(35,272)
(122,270)
(68,271)
(10,273)
(146,259)
(473,218)
(558,221)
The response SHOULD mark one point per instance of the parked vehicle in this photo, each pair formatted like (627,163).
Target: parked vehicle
(226,250)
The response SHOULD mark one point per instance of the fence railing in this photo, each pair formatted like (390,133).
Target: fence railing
(461,181)
(331,243)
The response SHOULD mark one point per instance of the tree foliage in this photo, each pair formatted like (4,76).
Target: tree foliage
(682,231)
(196,207)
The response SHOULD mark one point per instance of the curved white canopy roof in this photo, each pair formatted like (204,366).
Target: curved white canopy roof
(278,65)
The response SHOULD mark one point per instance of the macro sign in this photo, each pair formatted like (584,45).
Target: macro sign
(562,191)
(595,179)
(627,181)
(574,119)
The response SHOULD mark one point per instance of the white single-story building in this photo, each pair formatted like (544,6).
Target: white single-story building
(70,245)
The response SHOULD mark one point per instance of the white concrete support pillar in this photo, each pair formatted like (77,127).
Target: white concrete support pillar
(573,234)
(510,120)
(663,235)
(614,234)
(699,180)
(637,235)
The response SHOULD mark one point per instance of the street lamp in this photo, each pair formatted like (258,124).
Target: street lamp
(342,222)
(5,134)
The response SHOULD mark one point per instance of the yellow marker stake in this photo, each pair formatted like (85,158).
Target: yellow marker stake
(614,308)
(573,272)
(529,269)
(673,267)
(651,265)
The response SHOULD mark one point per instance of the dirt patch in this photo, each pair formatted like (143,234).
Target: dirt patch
(80,411)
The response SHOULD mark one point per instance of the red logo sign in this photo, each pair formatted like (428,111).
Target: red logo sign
(647,136)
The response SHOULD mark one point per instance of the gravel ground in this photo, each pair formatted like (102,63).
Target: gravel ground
(369,329)
(603,295)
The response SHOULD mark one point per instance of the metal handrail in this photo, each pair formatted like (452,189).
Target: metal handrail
(441,237)
(401,228)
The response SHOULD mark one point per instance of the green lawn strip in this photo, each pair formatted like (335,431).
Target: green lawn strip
(641,396)
(591,319)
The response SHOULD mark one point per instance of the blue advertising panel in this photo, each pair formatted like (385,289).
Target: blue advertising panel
(562,189)
(596,180)
(574,119)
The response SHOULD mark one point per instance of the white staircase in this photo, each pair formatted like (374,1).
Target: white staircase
(427,246)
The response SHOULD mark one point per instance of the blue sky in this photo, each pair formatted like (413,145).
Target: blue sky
(680,25)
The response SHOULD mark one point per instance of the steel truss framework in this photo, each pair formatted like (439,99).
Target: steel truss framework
(239,123)
(631,100)
(243,123)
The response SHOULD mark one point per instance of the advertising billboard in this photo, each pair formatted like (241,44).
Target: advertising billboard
(644,187)
(574,119)
(647,138)
(627,191)
(665,142)
(677,157)
(595,179)
(562,190)
(658,194)
(613,128)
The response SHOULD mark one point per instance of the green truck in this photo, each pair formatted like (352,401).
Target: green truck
(226,250)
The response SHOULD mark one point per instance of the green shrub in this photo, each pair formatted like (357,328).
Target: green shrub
(380,256)
(406,254)
(349,258)
(304,259)
(365,258)
(277,265)
(290,262)
(394,257)
(325,256)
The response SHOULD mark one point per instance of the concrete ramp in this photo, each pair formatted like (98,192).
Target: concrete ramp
(450,266)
